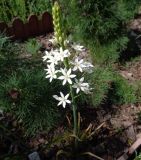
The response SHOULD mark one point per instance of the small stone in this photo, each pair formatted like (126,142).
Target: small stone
(34,156)
(130,132)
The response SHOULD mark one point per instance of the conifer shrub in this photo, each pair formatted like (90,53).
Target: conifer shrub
(122,91)
(101,81)
(110,87)
(100,24)
(28,96)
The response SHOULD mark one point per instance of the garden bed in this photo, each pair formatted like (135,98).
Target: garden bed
(119,129)
(100,118)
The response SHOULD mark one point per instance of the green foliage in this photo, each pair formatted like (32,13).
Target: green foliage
(38,6)
(8,51)
(22,8)
(101,82)
(10,9)
(99,20)
(108,52)
(138,157)
(110,86)
(138,91)
(100,24)
(32,46)
(28,95)
(122,92)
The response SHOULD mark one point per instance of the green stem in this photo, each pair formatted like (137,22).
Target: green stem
(60,38)
(74,107)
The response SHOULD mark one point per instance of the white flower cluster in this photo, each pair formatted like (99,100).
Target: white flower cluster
(56,69)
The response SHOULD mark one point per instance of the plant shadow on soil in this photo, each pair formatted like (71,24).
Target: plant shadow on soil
(133,48)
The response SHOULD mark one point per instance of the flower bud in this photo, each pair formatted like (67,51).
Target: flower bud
(60,39)
(57,23)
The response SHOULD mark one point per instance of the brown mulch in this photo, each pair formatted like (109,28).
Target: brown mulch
(132,71)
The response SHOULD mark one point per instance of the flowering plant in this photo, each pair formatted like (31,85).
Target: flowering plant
(65,63)
(67,73)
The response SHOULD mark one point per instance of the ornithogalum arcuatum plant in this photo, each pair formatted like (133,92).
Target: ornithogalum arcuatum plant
(65,63)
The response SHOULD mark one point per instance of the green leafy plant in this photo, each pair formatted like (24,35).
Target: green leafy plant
(11,9)
(122,92)
(39,7)
(22,8)
(102,25)
(32,46)
(109,86)
(28,95)
(8,50)
(101,81)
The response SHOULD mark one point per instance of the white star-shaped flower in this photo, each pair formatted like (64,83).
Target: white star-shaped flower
(67,76)
(78,47)
(63,54)
(51,72)
(53,59)
(78,65)
(80,86)
(63,99)
(47,55)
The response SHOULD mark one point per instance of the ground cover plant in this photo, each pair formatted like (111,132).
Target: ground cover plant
(19,90)
(110,87)
(20,95)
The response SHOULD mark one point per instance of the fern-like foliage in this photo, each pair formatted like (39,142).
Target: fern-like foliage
(101,81)
(110,87)
(122,91)
(100,24)
(28,96)
(32,47)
